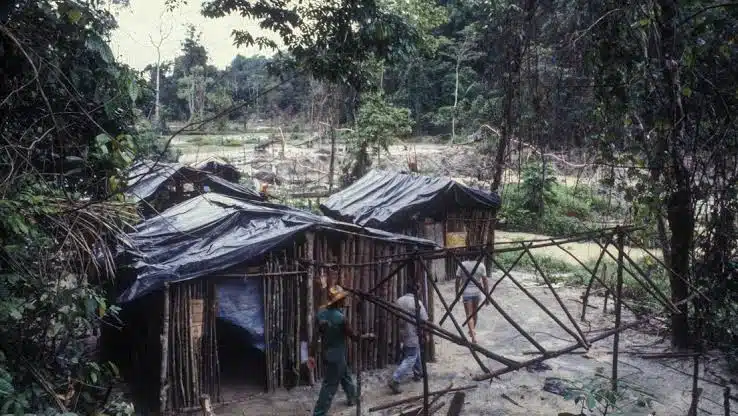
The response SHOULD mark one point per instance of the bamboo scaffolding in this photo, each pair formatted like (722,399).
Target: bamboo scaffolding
(554,354)
(581,338)
(458,264)
(428,326)
(539,304)
(456,323)
(499,309)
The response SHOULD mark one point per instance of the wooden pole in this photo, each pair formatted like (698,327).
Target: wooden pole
(561,303)
(421,345)
(726,401)
(618,310)
(696,390)
(554,354)
(541,305)
(163,374)
(205,406)
(455,322)
(309,298)
(502,312)
(414,398)
(443,333)
(585,297)
(480,259)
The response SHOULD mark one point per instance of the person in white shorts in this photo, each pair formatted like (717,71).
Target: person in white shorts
(472,295)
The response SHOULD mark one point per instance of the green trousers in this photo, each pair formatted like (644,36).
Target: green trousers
(336,372)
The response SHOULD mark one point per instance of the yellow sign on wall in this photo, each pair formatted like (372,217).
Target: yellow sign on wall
(456,239)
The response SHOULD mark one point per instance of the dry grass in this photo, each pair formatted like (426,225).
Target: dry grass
(585,251)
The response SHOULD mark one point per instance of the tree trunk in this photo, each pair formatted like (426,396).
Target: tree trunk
(514,56)
(157,105)
(456,100)
(679,202)
(332,168)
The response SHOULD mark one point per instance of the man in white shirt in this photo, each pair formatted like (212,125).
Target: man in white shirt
(411,342)
(472,295)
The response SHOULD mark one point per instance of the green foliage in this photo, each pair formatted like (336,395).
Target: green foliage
(66,122)
(329,40)
(378,124)
(537,187)
(594,396)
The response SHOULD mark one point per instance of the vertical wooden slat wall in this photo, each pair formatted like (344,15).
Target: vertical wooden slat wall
(192,350)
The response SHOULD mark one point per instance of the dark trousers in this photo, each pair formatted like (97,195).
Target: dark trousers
(336,372)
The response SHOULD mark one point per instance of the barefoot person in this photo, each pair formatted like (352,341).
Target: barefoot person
(334,331)
(472,295)
(411,342)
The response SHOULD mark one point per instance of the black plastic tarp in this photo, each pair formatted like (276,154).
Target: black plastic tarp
(213,232)
(388,200)
(241,303)
(147,178)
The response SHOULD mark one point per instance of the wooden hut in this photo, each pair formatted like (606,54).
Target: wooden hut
(436,208)
(219,167)
(158,186)
(216,266)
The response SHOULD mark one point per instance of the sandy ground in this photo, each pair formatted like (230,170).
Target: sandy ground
(669,381)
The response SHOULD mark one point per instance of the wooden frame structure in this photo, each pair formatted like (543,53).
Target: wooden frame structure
(375,273)
(580,340)
(174,329)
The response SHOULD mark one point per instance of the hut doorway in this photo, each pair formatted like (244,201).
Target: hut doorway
(242,362)
(240,329)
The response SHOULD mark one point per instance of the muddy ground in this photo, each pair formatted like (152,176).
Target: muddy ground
(520,392)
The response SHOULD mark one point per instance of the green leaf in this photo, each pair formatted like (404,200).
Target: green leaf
(74,15)
(93,377)
(591,402)
(6,387)
(686,91)
(96,44)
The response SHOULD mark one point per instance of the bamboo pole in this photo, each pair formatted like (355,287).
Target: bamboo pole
(429,326)
(423,363)
(458,264)
(163,373)
(696,390)
(414,398)
(267,323)
(557,353)
(726,400)
(499,309)
(561,303)
(310,307)
(618,306)
(505,273)
(647,286)
(541,305)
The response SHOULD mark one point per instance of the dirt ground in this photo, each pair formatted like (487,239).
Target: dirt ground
(669,381)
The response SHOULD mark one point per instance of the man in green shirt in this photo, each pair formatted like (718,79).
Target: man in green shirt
(334,330)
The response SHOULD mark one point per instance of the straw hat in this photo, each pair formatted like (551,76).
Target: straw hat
(335,294)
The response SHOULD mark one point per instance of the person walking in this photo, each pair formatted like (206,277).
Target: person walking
(334,330)
(471,295)
(411,341)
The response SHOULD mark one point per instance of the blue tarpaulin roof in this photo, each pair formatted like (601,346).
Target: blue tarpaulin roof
(384,199)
